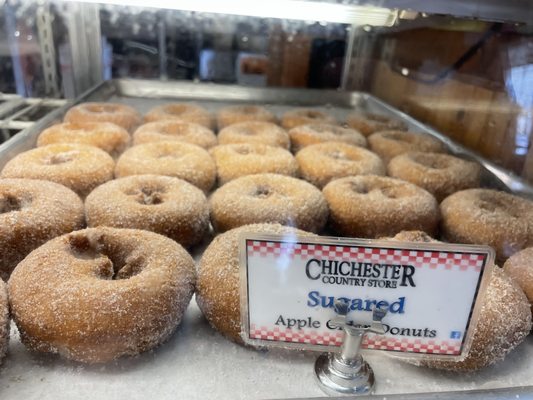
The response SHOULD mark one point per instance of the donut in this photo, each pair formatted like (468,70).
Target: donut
(268,198)
(4,320)
(236,160)
(490,217)
(368,123)
(440,174)
(389,144)
(234,114)
(520,268)
(31,213)
(79,167)
(184,112)
(175,130)
(305,135)
(321,163)
(118,114)
(161,204)
(255,132)
(98,294)
(305,116)
(217,289)
(109,137)
(181,160)
(373,206)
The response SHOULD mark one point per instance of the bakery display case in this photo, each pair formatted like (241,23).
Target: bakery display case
(185,119)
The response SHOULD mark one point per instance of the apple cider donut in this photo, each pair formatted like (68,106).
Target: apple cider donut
(255,132)
(305,116)
(389,144)
(181,160)
(164,130)
(4,320)
(98,294)
(161,204)
(241,159)
(31,213)
(440,174)
(217,292)
(485,216)
(268,198)
(185,112)
(375,206)
(111,138)
(234,114)
(368,123)
(323,162)
(305,135)
(76,166)
(118,114)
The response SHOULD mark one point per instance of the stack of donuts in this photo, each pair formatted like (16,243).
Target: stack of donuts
(99,219)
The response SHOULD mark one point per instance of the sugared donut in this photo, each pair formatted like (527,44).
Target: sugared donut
(101,293)
(368,123)
(4,320)
(268,198)
(440,174)
(374,206)
(236,160)
(181,160)
(118,114)
(485,216)
(111,138)
(321,163)
(187,132)
(235,114)
(255,132)
(185,112)
(412,236)
(217,289)
(305,135)
(161,204)
(76,166)
(31,213)
(305,116)
(520,268)
(389,144)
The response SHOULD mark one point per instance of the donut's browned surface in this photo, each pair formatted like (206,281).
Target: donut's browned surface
(520,268)
(181,160)
(235,114)
(374,206)
(31,213)
(119,114)
(389,144)
(180,131)
(102,293)
(236,160)
(255,132)
(111,138)
(217,291)
(161,204)
(321,163)
(368,123)
(306,135)
(268,198)
(304,116)
(485,216)
(4,320)
(76,166)
(185,112)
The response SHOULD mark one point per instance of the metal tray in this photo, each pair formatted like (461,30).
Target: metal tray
(197,362)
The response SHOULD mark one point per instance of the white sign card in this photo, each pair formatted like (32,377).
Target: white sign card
(289,286)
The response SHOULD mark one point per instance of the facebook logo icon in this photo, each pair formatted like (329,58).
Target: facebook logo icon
(455,335)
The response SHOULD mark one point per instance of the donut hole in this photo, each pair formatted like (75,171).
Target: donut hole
(245,131)
(339,155)
(313,114)
(377,118)
(245,150)
(400,137)
(175,109)
(249,109)
(325,129)
(494,205)
(168,154)
(390,192)
(171,129)
(148,196)
(102,108)
(430,161)
(262,191)
(61,158)
(359,187)
(9,203)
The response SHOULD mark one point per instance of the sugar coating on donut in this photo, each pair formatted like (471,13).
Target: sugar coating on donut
(4,320)
(181,160)
(77,166)
(186,112)
(368,123)
(304,116)
(255,132)
(268,198)
(162,204)
(389,144)
(241,159)
(520,268)
(241,113)
(101,293)
(181,131)
(323,162)
(306,135)
(217,292)
(119,114)
(373,206)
